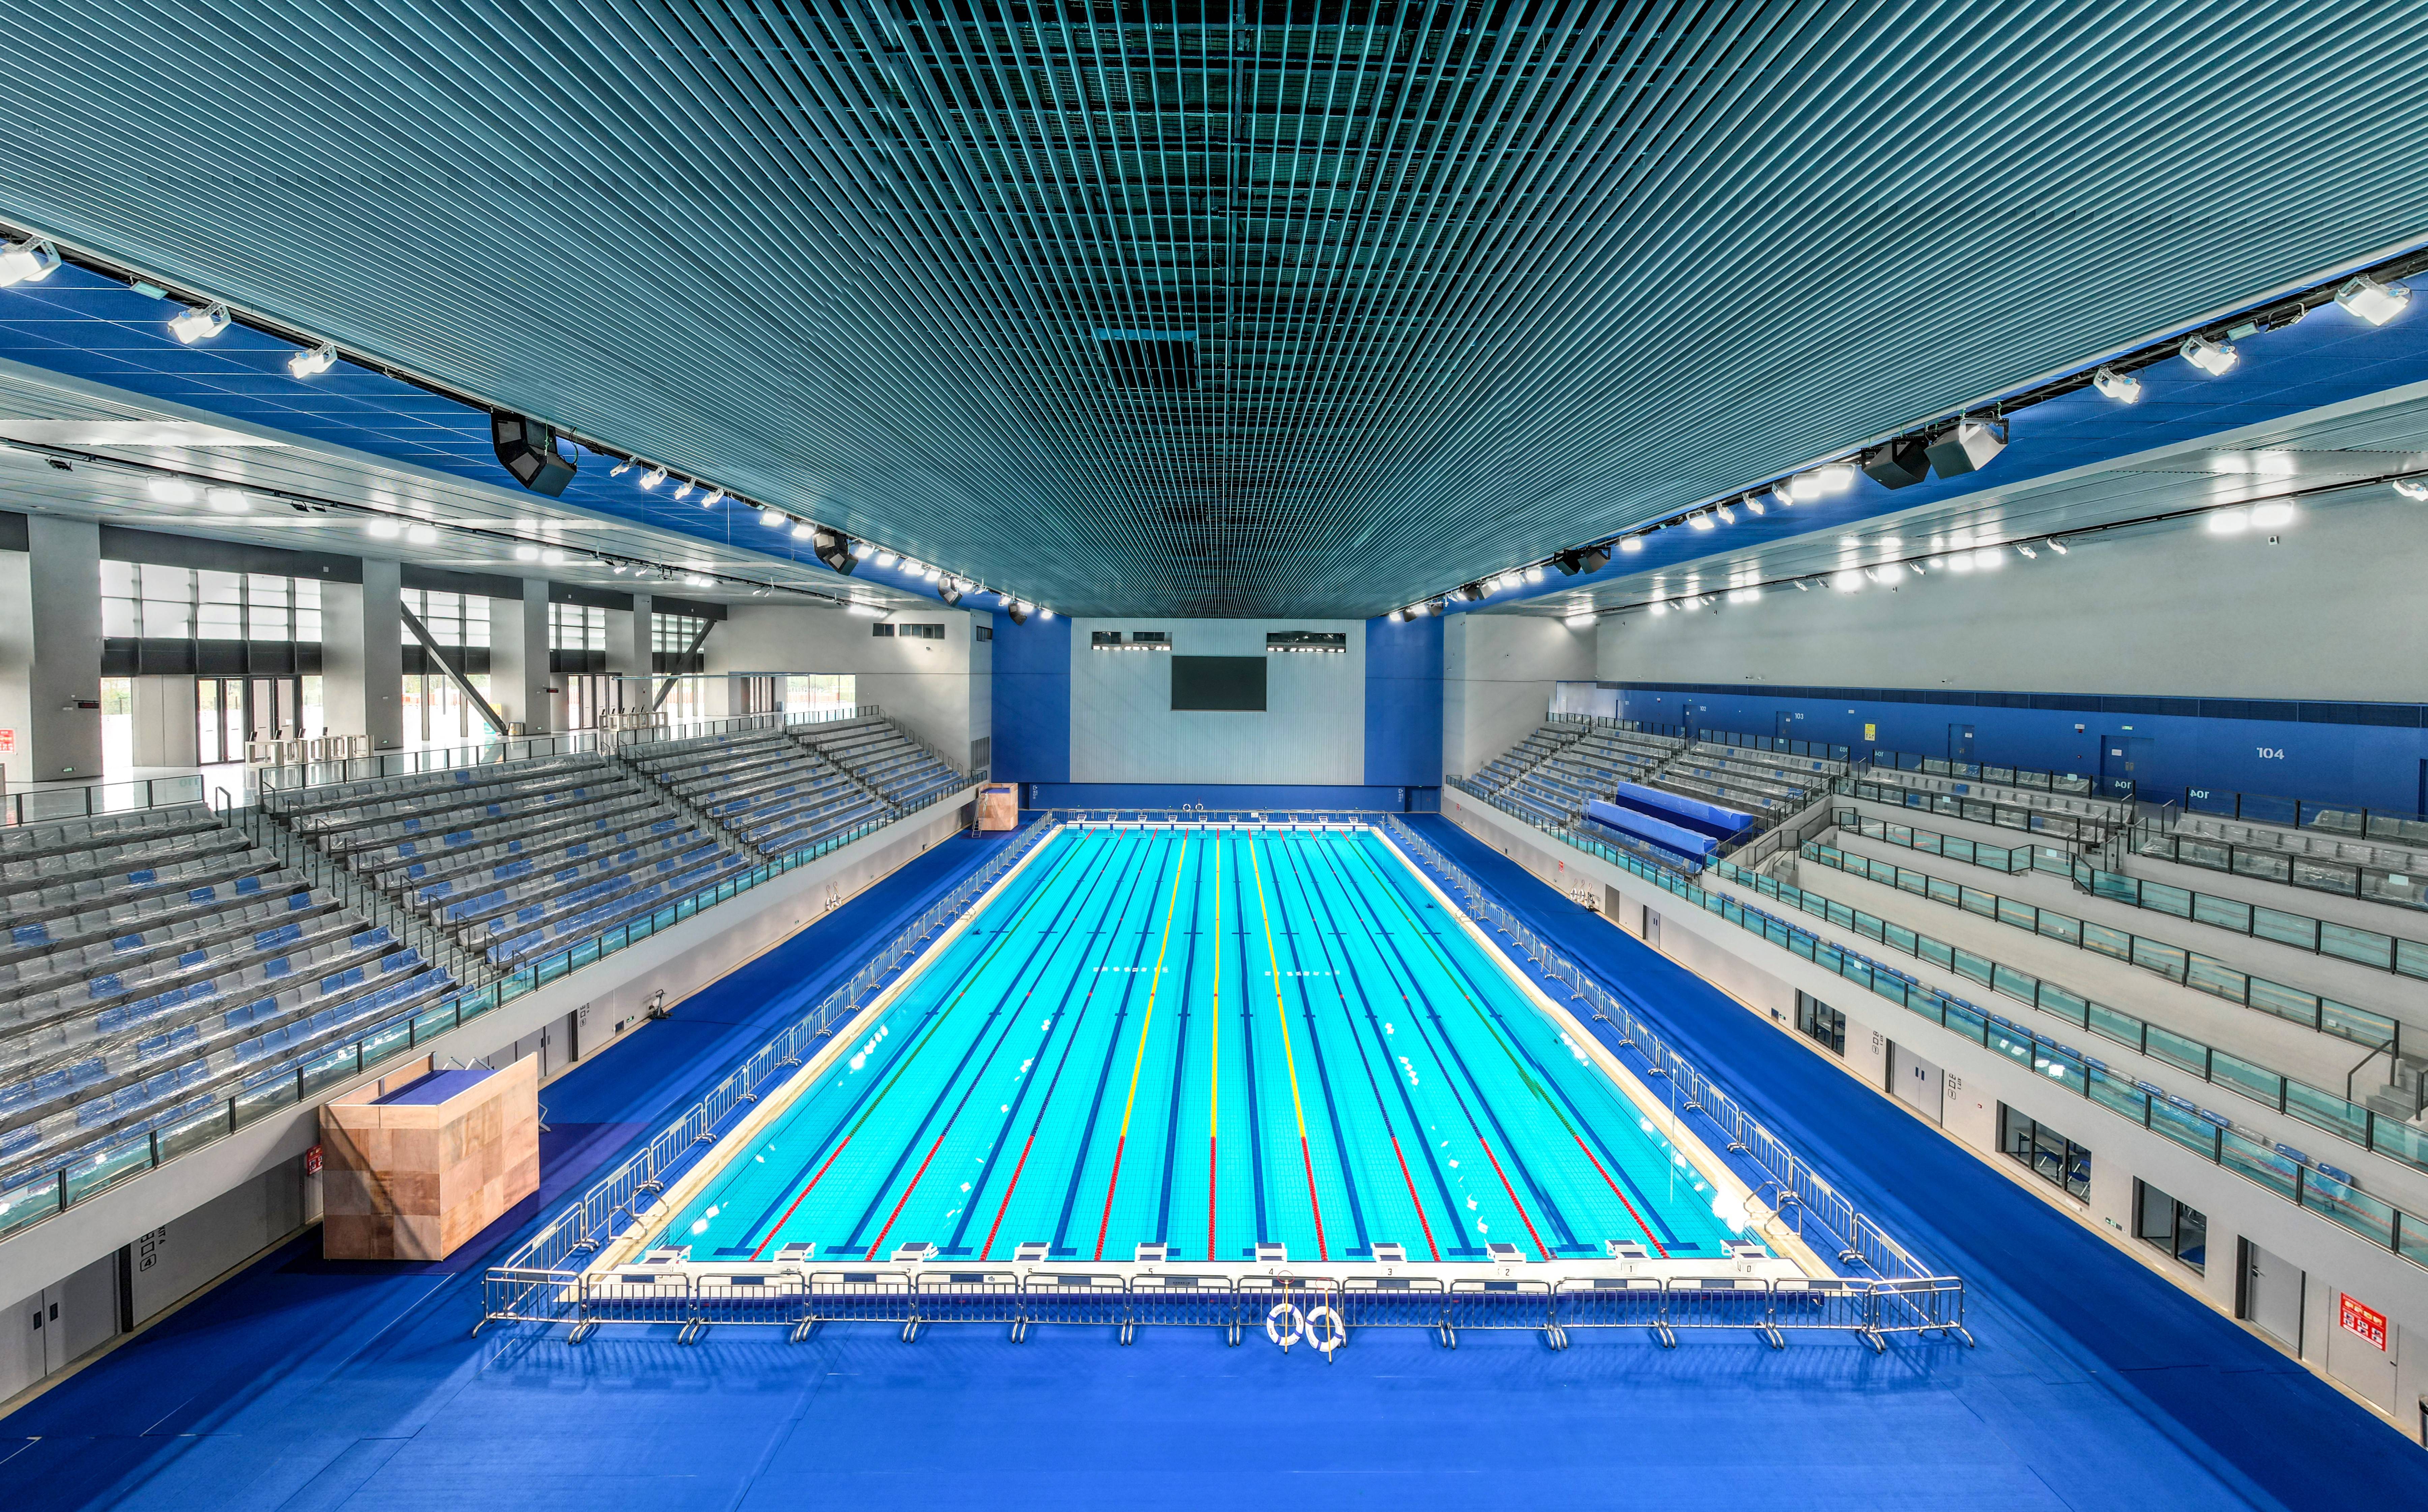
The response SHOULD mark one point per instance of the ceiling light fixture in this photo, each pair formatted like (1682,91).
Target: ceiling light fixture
(885,558)
(1660,609)
(1804,487)
(775,519)
(1961,562)
(2228,521)
(171,491)
(685,491)
(1045,613)
(1535,574)
(1396,617)
(932,574)
(2374,302)
(226,501)
(866,610)
(199,323)
(2215,358)
(1835,477)
(1753,501)
(422,535)
(1989,559)
(2057,546)
(313,361)
(1783,496)
(654,477)
(26,262)
(2026,552)
(2271,517)
(1581,619)
(1745,595)
(803,530)
(2124,387)
(552,557)
(384,530)
(1702,521)
(620,468)
(1916,566)
(526,554)
(2413,489)
(1632,545)
(1848,581)
(1728,516)
(1803,587)
(715,497)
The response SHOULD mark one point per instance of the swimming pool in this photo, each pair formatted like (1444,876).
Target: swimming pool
(1209,1039)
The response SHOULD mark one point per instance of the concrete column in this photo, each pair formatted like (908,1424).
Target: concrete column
(63,594)
(163,710)
(518,676)
(628,648)
(362,657)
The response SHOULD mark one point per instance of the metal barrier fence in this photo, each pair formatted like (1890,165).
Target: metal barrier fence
(45,805)
(620,1199)
(1320,1311)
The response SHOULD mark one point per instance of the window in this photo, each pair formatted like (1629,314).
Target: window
(1823,1022)
(144,601)
(2053,1157)
(673,633)
(819,690)
(907,632)
(451,618)
(573,627)
(983,631)
(2161,1219)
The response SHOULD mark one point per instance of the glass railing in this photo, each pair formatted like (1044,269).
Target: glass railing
(2323,937)
(48,805)
(1779,745)
(361,1051)
(2344,879)
(2083,828)
(2068,782)
(2184,968)
(2348,821)
(2283,1170)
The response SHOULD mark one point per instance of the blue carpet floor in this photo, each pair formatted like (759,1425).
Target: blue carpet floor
(303,1384)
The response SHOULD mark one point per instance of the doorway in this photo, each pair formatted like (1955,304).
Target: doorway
(2124,763)
(1917,1084)
(2272,1296)
(229,711)
(1960,742)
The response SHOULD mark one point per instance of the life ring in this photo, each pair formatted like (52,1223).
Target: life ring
(1325,1330)
(1285,1316)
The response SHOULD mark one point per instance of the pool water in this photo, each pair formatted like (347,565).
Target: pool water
(1209,1039)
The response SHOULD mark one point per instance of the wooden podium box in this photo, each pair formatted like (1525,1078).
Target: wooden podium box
(999,806)
(413,1173)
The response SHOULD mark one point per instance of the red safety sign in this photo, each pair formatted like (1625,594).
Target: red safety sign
(2362,1318)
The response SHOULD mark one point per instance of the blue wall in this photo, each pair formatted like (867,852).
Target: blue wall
(2310,750)
(1404,702)
(1032,700)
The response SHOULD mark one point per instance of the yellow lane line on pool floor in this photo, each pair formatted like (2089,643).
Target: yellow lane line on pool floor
(1289,1057)
(1178,865)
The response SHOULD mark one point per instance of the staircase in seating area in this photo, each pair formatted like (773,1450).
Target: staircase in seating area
(884,758)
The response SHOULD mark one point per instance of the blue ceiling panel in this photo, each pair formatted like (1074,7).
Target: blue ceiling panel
(1447,287)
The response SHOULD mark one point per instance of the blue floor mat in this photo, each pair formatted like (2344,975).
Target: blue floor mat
(301,1384)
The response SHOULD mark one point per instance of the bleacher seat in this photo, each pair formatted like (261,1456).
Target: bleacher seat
(779,793)
(155,964)
(514,858)
(882,756)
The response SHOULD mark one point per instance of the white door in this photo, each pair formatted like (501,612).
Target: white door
(1652,929)
(21,1350)
(1918,1084)
(2272,1295)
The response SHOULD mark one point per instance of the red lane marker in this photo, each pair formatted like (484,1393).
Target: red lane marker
(1305,1154)
(1118,1145)
(1620,1195)
(1540,1247)
(1016,1168)
(1414,1198)
(798,1201)
(1210,1169)
(878,1243)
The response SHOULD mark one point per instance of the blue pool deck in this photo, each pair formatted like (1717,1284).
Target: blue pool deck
(303,1384)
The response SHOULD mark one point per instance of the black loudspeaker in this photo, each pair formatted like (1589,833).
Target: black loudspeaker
(834,550)
(1966,447)
(526,448)
(1017,614)
(1898,464)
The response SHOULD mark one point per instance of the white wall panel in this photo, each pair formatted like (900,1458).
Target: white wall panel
(1124,729)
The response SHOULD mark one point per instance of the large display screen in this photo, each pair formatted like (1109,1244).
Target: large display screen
(1227,683)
